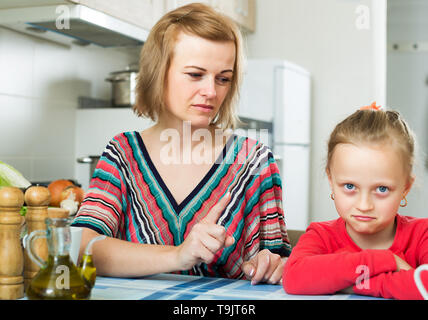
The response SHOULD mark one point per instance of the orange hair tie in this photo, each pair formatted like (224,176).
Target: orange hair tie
(373,106)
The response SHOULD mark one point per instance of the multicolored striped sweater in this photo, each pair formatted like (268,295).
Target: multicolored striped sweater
(128,199)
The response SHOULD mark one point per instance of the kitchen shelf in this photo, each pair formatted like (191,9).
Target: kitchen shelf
(94,103)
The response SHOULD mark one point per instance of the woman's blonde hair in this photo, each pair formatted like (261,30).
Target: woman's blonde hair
(375,126)
(156,55)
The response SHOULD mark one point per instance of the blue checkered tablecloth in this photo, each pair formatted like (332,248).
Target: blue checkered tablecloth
(182,287)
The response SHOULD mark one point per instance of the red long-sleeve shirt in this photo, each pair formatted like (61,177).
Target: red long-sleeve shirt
(326,260)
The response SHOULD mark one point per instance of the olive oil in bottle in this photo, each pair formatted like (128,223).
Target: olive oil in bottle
(58,277)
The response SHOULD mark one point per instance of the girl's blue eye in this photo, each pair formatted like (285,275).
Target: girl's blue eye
(382,189)
(349,186)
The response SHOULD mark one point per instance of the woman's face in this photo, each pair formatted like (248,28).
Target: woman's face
(198,80)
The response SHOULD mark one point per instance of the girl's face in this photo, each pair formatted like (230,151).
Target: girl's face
(368,182)
(198,80)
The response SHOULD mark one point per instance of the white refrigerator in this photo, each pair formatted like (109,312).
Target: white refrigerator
(280,92)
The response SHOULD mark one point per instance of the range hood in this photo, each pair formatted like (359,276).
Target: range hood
(73,24)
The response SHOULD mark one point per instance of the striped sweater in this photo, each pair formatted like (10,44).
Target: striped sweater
(128,199)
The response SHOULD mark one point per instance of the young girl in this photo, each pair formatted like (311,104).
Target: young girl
(370,249)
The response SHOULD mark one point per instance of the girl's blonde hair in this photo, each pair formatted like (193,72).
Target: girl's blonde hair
(156,55)
(375,126)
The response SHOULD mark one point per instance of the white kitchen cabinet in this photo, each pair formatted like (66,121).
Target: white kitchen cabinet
(9,4)
(145,13)
(142,13)
(173,4)
(241,11)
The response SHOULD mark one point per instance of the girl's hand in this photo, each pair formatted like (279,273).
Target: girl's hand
(205,239)
(401,264)
(265,267)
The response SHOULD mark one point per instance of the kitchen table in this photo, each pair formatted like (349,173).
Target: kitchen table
(173,296)
(184,287)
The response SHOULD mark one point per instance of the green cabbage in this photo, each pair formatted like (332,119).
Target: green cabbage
(10,177)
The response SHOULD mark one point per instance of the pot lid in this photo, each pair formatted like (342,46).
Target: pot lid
(122,75)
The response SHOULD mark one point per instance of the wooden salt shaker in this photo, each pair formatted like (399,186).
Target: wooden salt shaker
(37,199)
(55,213)
(11,256)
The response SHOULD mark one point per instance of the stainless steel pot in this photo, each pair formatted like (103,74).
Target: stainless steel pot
(123,87)
(92,160)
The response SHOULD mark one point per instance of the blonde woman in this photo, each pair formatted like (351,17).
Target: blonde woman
(186,195)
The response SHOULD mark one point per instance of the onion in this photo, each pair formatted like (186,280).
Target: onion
(55,188)
(70,204)
(78,192)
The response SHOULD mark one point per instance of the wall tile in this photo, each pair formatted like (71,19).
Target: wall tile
(39,89)
(16,63)
(55,127)
(52,168)
(16,126)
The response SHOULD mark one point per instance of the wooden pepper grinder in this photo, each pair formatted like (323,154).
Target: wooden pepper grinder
(37,199)
(11,256)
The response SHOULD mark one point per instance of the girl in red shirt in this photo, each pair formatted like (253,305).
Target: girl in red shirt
(370,249)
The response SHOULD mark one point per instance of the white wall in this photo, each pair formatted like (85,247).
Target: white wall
(41,81)
(407,86)
(40,84)
(348,71)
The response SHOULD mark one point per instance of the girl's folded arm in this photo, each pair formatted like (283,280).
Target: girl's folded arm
(399,284)
(313,269)
(393,285)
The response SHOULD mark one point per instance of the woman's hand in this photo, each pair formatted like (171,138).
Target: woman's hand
(205,239)
(265,266)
